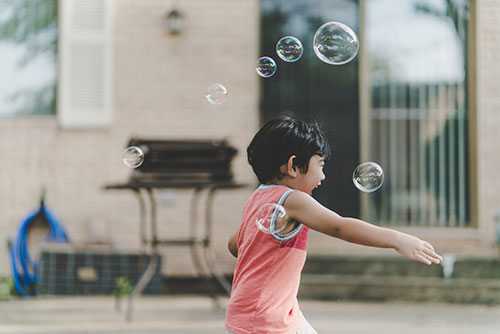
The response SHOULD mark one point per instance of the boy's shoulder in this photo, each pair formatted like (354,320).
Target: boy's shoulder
(270,193)
(273,188)
(267,194)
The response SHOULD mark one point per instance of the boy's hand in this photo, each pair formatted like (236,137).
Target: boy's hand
(416,249)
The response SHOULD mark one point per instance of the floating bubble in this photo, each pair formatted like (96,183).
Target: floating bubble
(368,177)
(335,43)
(133,157)
(216,94)
(272,219)
(266,67)
(289,49)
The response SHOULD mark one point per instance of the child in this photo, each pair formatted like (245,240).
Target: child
(288,156)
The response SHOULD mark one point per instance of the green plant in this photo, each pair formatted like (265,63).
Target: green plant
(6,288)
(123,287)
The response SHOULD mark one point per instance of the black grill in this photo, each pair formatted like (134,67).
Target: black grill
(203,161)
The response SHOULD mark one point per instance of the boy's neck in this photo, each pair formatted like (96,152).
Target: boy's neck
(287,182)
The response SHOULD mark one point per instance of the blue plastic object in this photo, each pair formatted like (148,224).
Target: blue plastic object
(24,269)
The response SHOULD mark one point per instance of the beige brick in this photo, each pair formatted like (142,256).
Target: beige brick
(159,87)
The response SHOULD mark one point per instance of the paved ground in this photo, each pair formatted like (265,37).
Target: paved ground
(192,315)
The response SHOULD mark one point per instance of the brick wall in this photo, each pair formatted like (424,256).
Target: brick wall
(159,87)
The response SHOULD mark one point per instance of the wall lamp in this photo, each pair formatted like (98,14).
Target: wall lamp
(174,22)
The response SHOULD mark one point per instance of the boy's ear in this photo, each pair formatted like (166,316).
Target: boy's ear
(290,168)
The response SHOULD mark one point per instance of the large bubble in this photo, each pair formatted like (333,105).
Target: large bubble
(335,43)
(289,49)
(368,177)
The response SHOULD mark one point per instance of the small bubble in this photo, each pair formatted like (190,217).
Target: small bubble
(368,177)
(133,157)
(266,67)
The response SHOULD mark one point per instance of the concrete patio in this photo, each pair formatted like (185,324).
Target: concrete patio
(191,315)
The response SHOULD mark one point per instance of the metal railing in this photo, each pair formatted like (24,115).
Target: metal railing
(419,136)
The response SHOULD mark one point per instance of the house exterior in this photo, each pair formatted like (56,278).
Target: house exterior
(120,73)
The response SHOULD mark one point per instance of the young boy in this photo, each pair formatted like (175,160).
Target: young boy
(288,156)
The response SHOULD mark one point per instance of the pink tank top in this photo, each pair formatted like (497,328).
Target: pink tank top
(267,274)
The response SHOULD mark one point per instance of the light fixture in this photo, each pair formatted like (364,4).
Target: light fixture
(174,22)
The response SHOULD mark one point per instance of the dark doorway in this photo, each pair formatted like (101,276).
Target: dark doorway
(312,90)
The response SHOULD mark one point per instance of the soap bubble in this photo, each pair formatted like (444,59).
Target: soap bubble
(216,94)
(133,157)
(266,67)
(368,177)
(272,219)
(289,49)
(335,43)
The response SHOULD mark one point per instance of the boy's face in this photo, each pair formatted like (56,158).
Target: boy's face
(312,179)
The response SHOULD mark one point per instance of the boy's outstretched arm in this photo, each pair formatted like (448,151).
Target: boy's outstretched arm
(232,245)
(307,210)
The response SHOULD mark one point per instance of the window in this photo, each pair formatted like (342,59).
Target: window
(416,110)
(28,50)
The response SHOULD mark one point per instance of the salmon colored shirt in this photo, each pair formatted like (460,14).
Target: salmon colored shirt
(267,274)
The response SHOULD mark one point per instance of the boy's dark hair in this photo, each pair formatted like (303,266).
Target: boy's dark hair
(280,138)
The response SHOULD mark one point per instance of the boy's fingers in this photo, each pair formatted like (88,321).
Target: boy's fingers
(432,252)
(432,256)
(436,260)
(437,256)
(429,252)
(423,259)
(429,245)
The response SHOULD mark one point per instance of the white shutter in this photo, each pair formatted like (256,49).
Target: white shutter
(85,63)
